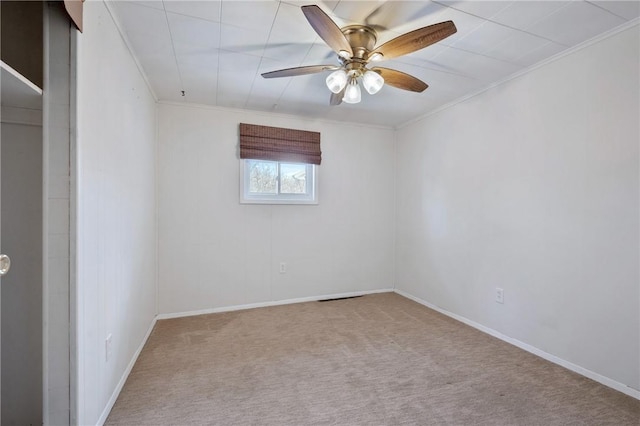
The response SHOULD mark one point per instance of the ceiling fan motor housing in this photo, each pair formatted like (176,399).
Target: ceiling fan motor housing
(361,38)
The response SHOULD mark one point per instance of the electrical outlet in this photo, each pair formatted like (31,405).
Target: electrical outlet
(107,347)
(499,295)
(283,268)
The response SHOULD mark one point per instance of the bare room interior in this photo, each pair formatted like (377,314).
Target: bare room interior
(336,212)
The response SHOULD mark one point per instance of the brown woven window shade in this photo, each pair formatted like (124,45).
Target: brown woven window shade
(279,144)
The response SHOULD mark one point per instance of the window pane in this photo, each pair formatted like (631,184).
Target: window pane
(263,177)
(271,182)
(293,178)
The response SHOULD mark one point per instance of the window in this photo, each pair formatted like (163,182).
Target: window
(278,165)
(277,182)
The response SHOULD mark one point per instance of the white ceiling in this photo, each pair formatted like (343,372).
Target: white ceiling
(215,51)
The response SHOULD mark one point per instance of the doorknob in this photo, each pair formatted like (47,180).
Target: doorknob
(5,264)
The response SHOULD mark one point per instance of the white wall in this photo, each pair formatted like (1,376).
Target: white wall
(116,210)
(533,187)
(215,252)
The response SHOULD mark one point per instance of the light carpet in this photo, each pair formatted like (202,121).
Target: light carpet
(380,359)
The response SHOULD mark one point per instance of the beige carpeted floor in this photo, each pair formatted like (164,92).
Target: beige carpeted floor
(375,360)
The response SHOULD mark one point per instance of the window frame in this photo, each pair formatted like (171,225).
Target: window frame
(310,198)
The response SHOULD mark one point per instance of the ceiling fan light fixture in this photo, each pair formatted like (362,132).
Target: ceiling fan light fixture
(337,80)
(355,47)
(372,82)
(352,93)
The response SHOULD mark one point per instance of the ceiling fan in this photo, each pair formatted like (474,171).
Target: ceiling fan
(356,47)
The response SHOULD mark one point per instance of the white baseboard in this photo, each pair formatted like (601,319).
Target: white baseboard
(125,375)
(271,303)
(621,387)
(556,360)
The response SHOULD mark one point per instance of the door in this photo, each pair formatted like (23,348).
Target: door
(5,264)
(6,271)
(21,212)
(21,221)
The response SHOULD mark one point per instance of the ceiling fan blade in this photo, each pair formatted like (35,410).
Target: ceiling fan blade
(416,40)
(327,29)
(292,72)
(401,80)
(336,98)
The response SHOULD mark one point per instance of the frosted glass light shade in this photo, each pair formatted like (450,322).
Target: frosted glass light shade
(336,81)
(352,94)
(372,82)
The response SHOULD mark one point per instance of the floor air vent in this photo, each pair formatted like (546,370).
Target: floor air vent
(340,298)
